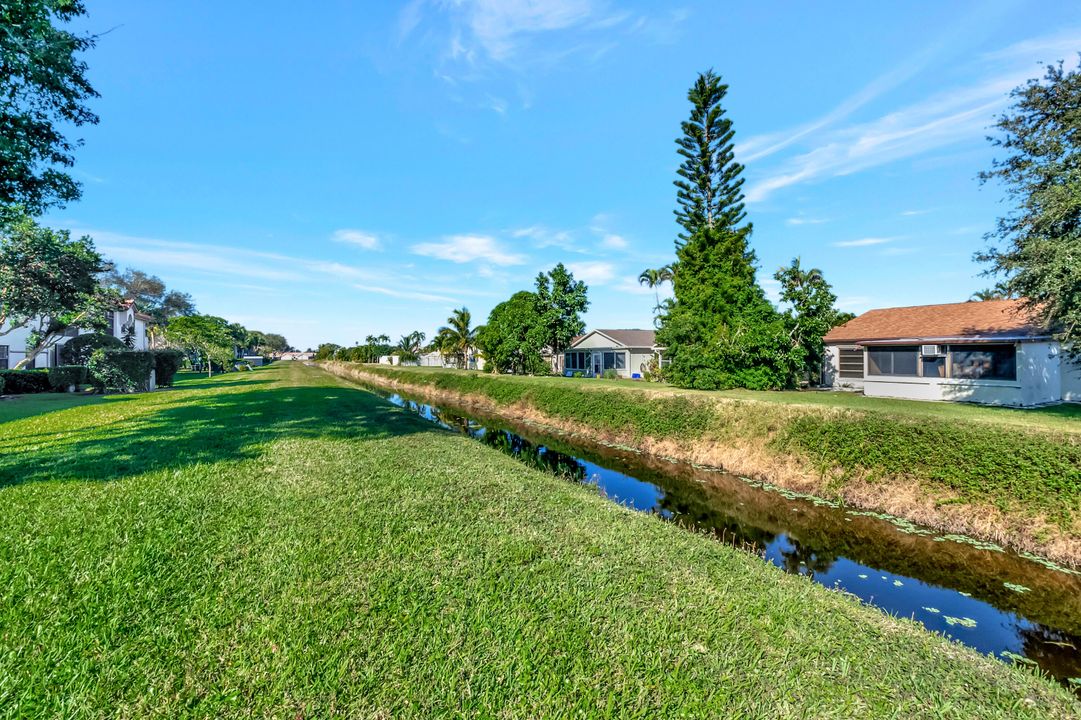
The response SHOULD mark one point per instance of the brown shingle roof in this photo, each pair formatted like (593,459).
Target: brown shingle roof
(627,338)
(990,319)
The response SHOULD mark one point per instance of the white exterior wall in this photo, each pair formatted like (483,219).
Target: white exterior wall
(1038,382)
(1071,381)
(16,343)
(831,370)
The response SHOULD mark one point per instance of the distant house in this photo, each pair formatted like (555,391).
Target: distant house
(125,323)
(627,352)
(294,355)
(989,352)
(438,359)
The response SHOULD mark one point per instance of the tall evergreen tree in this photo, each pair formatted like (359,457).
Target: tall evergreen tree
(720,330)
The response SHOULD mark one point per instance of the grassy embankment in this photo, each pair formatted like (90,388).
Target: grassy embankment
(281,543)
(1009,476)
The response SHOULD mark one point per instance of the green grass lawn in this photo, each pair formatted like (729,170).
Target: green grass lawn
(282,544)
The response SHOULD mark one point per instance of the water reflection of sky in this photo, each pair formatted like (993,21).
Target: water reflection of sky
(934,606)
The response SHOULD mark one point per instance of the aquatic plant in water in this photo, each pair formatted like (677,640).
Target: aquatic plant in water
(964,622)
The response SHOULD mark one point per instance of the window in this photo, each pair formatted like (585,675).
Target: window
(850,362)
(3,357)
(615,360)
(901,360)
(983,362)
(934,367)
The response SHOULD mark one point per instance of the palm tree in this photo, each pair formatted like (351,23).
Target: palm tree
(409,346)
(998,292)
(457,338)
(654,278)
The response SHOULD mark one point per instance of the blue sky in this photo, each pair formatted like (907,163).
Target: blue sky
(335,169)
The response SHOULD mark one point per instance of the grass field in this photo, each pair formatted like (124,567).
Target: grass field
(282,544)
(1007,476)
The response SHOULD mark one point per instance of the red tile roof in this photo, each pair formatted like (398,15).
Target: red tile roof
(990,319)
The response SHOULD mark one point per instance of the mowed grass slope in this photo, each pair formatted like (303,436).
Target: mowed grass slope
(282,544)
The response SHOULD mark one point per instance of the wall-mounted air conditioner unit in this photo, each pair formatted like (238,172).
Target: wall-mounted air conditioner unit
(931,350)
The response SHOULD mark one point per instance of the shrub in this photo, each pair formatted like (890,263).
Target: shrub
(77,350)
(24,382)
(1,385)
(62,377)
(120,370)
(610,375)
(577,374)
(166,365)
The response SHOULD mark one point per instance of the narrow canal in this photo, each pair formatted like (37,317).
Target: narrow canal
(1016,608)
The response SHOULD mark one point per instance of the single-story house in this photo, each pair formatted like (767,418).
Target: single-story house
(295,355)
(627,352)
(438,359)
(125,322)
(990,352)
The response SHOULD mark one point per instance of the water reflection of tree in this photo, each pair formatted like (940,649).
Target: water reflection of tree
(1057,652)
(688,504)
(800,558)
(537,456)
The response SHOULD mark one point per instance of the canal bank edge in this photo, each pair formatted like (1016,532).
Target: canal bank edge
(770,442)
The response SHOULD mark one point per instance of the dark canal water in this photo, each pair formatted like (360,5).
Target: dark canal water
(998,602)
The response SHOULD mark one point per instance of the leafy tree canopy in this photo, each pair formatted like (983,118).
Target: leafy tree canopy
(1036,248)
(560,302)
(206,336)
(515,334)
(811,312)
(44,89)
(48,282)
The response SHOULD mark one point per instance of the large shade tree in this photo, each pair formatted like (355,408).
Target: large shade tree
(152,297)
(204,337)
(515,334)
(43,92)
(560,301)
(48,283)
(720,330)
(1036,248)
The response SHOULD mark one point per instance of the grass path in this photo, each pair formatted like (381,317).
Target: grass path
(282,544)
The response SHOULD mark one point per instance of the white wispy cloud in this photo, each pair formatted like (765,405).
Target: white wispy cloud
(360,238)
(404,294)
(593,272)
(543,237)
(800,220)
(951,116)
(468,248)
(913,213)
(614,242)
(864,242)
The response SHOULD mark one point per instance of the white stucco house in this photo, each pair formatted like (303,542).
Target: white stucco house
(989,352)
(120,323)
(627,352)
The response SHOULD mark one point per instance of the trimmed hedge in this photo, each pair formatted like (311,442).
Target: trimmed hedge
(77,351)
(25,382)
(1,385)
(166,365)
(120,370)
(62,377)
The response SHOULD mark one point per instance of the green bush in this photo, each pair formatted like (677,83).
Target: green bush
(77,350)
(166,365)
(25,382)
(62,377)
(120,370)
(610,375)
(1,385)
